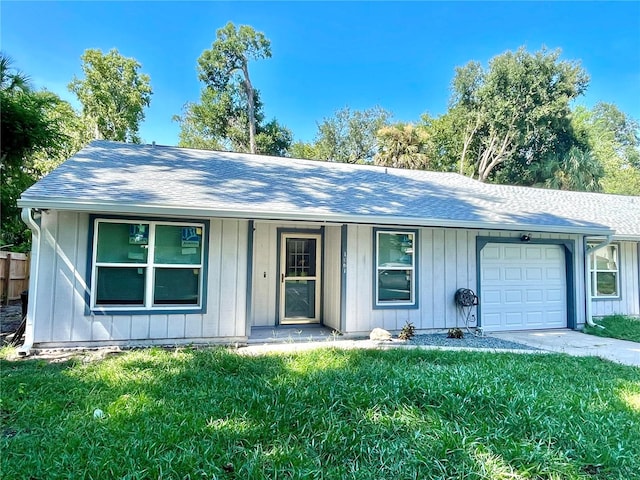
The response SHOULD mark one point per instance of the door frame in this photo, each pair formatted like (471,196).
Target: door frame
(283,233)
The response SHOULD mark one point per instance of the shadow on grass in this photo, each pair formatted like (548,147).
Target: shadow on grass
(321,414)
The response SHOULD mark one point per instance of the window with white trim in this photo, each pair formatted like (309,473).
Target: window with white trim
(147,265)
(605,272)
(394,268)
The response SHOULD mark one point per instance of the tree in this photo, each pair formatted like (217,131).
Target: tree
(445,143)
(220,122)
(514,113)
(227,62)
(273,139)
(113,94)
(402,145)
(305,150)
(73,128)
(613,137)
(27,129)
(350,136)
(12,80)
(576,170)
(24,124)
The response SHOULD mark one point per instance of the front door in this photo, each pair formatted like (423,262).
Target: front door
(300,278)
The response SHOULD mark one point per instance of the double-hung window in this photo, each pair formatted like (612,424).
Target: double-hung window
(144,265)
(605,272)
(395,268)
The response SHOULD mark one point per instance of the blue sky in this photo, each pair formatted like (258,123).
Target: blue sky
(326,55)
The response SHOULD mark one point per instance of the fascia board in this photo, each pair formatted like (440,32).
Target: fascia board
(160,210)
(627,238)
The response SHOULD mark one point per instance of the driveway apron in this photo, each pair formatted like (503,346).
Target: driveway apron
(578,344)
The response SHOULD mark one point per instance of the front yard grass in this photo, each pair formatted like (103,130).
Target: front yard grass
(324,414)
(616,326)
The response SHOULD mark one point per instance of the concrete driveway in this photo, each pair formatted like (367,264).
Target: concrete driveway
(578,344)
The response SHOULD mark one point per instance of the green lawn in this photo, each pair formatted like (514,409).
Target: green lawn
(330,414)
(616,326)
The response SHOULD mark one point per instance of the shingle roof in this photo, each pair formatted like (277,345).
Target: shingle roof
(111,176)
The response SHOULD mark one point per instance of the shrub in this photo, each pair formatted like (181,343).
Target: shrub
(407,332)
(455,333)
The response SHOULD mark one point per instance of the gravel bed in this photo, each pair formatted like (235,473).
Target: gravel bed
(469,341)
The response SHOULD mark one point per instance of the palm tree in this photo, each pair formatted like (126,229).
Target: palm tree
(12,80)
(402,146)
(576,170)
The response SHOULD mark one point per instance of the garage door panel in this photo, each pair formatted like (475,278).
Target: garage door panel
(535,319)
(513,273)
(513,319)
(555,319)
(533,253)
(513,296)
(554,274)
(492,297)
(522,287)
(535,296)
(491,252)
(492,320)
(491,274)
(511,253)
(554,254)
(555,296)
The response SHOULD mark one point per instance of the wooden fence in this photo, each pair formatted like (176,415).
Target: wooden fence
(14,275)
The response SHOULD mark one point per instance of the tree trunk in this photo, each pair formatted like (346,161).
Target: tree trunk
(467,142)
(252,115)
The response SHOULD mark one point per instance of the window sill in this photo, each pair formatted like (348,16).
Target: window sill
(170,310)
(617,297)
(395,306)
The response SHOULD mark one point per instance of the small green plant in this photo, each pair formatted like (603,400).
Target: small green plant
(407,332)
(334,335)
(455,333)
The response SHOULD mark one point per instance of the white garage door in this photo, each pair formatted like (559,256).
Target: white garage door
(522,287)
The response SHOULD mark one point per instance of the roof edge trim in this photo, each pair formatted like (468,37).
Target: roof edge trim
(137,209)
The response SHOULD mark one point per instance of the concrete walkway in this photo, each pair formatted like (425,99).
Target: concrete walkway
(578,344)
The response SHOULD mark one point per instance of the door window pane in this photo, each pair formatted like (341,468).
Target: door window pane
(178,244)
(178,286)
(301,257)
(122,242)
(300,299)
(120,286)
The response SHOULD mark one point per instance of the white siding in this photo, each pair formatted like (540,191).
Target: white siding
(265,257)
(61,318)
(332,264)
(629,301)
(359,279)
(447,262)
(265,268)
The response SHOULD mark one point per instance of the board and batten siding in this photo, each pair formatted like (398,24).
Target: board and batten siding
(446,262)
(332,266)
(265,272)
(628,303)
(60,314)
